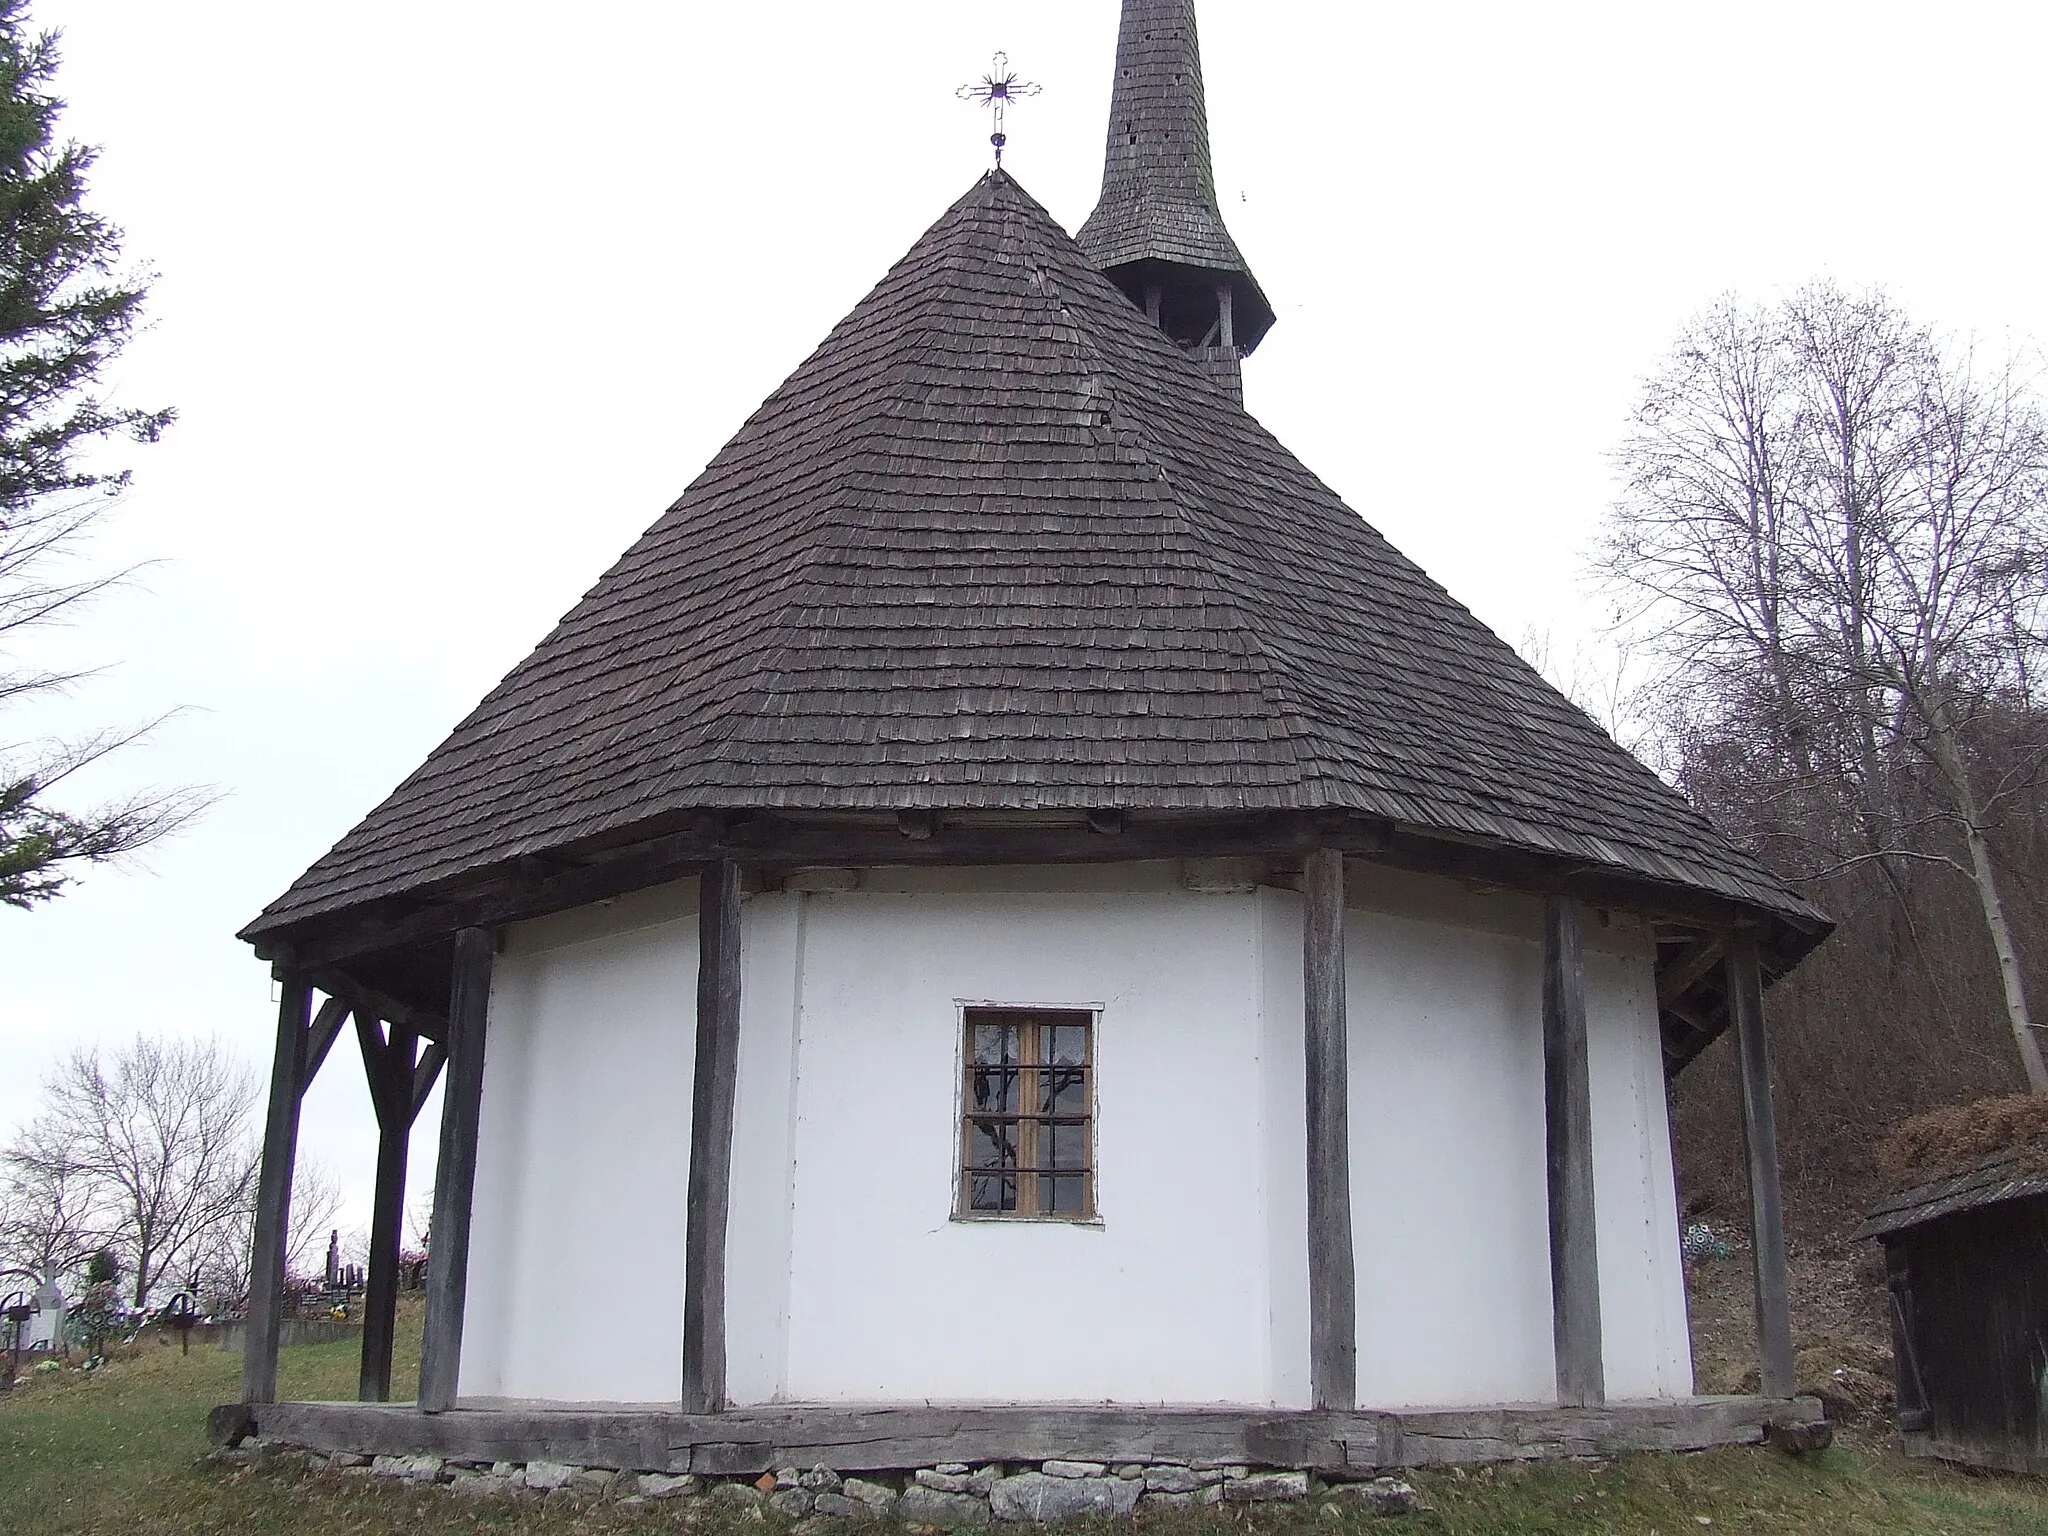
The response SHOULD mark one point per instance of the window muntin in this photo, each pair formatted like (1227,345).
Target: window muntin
(1027,1133)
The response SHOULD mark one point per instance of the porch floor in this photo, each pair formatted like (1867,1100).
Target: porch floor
(748,1441)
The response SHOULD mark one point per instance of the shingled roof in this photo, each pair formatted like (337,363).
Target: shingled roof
(1158,203)
(998,544)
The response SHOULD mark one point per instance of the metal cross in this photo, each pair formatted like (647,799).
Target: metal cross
(995,90)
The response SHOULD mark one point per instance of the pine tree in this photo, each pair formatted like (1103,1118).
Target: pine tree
(67,308)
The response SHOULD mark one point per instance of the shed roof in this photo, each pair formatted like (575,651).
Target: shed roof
(2006,1176)
(998,544)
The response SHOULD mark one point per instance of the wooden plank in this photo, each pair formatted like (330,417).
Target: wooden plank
(1910,1403)
(424,1076)
(1760,1141)
(352,993)
(391,1082)
(370,1041)
(274,1190)
(511,894)
(745,1442)
(1332,1300)
(514,892)
(1568,1161)
(320,1038)
(469,1002)
(1691,965)
(714,1082)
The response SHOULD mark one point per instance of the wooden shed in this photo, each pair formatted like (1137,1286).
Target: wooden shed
(1966,1263)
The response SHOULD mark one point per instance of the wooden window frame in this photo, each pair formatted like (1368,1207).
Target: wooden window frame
(1031,1122)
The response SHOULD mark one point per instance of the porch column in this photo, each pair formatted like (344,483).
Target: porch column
(274,1189)
(714,1081)
(1568,1161)
(398,1086)
(1760,1140)
(1332,1284)
(469,1002)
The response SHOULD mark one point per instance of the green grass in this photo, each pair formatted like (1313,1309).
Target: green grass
(123,1451)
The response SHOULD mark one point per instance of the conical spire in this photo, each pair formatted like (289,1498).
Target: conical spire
(1156,231)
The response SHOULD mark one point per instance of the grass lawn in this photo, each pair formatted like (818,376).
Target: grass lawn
(122,1451)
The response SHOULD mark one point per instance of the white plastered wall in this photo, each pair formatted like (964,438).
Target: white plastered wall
(848,1279)
(1449,1205)
(1164,1299)
(1645,1342)
(583,1157)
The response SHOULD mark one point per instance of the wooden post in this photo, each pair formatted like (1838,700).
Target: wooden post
(274,1190)
(714,1081)
(1568,1162)
(469,1002)
(1332,1282)
(389,1066)
(1760,1140)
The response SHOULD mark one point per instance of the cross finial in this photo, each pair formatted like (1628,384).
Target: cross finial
(995,90)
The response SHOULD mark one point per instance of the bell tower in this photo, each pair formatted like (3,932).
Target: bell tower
(1156,231)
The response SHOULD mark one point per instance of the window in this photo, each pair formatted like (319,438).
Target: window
(1027,1129)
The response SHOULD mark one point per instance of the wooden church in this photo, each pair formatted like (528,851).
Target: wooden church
(1012,924)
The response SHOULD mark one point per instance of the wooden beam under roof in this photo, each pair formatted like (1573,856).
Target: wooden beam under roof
(775,843)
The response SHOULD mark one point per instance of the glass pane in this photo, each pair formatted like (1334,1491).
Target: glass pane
(1066,1193)
(1066,1146)
(1069,1044)
(992,1146)
(989,1194)
(1064,1091)
(995,1044)
(994,1090)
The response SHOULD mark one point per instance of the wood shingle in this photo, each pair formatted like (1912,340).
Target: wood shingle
(999,545)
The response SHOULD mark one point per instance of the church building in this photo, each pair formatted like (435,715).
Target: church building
(1012,924)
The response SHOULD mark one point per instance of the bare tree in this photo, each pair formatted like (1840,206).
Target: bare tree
(220,1259)
(161,1130)
(51,1216)
(1833,541)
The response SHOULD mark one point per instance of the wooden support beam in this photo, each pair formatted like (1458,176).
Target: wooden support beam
(714,1081)
(748,1441)
(1683,973)
(771,843)
(320,1038)
(389,1065)
(1760,1141)
(424,1076)
(1568,1161)
(469,1002)
(274,1190)
(353,994)
(1332,1283)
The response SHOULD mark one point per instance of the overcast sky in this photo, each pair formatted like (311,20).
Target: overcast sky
(455,297)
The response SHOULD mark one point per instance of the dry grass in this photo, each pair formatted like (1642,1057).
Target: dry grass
(1958,1138)
(123,1452)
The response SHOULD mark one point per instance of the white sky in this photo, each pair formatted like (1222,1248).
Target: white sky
(455,297)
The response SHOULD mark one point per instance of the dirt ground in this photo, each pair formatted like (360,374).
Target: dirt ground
(1840,1326)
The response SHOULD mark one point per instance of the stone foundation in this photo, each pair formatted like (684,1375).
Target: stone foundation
(950,1496)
